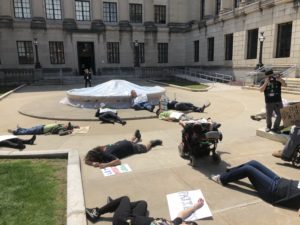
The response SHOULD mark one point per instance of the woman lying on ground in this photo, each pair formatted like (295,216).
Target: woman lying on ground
(269,186)
(135,213)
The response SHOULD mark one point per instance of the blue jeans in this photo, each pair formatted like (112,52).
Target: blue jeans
(263,179)
(33,130)
(143,105)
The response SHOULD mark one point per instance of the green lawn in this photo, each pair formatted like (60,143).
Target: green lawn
(33,192)
(6,89)
(185,83)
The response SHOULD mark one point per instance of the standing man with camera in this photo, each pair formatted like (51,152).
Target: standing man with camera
(271,86)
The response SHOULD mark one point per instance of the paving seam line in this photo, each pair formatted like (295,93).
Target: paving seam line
(237,206)
(11,91)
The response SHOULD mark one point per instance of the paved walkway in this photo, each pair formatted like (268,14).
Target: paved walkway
(162,171)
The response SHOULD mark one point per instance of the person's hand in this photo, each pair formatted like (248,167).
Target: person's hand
(267,80)
(199,204)
(102,165)
(95,164)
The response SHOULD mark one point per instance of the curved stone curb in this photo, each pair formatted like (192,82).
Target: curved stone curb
(11,91)
(179,87)
(282,138)
(75,119)
(75,198)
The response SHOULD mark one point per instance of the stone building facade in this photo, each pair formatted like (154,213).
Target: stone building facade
(104,34)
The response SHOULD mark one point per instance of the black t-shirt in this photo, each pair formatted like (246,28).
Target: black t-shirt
(287,193)
(122,149)
(272,91)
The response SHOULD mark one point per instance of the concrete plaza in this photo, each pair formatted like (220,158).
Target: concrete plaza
(162,171)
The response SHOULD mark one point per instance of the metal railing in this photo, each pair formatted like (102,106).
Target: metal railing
(205,76)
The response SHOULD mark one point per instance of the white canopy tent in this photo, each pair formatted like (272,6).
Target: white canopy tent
(114,94)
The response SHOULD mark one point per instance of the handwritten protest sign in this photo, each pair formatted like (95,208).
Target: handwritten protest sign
(110,171)
(290,114)
(185,199)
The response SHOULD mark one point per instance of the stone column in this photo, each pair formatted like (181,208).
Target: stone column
(5,8)
(68,9)
(123,7)
(226,5)
(209,8)
(96,10)
(38,9)
(148,11)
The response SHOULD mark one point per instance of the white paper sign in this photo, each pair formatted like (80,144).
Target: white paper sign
(109,171)
(185,199)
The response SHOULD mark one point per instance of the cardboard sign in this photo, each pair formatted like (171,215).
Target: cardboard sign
(290,114)
(110,171)
(186,199)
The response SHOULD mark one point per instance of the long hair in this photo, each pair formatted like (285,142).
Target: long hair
(95,155)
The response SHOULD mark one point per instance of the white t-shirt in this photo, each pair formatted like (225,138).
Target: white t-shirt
(140,99)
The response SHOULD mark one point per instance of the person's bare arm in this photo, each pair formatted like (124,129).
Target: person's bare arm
(187,212)
(182,123)
(115,162)
(282,81)
(263,87)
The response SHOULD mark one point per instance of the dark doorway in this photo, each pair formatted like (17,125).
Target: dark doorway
(86,56)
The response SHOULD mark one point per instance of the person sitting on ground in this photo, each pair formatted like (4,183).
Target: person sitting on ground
(171,115)
(208,123)
(186,106)
(269,186)
(291,145)
(136,213)
(140,102)
(110,155)
(54,128)
(107,115)
(11,141)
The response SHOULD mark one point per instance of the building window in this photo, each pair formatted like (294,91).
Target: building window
(110,12)
(136,13)
(113,53)
(57,55)
(228,46)
(237,3)
(284,37)
(196,51)
(82,9)
(53,9)
(160,13)
(25,52)
(218,7)
(252,44)
(22,9)
(202,12)
(162,52)
(210,48)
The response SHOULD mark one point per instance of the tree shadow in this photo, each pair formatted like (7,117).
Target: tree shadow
(290,165)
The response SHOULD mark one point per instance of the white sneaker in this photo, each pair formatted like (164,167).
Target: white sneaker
(216,178)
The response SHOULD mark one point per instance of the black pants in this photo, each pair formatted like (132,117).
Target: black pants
(88,82)
(291,145)
(14,143)
(125,211)
(183,106)
(110,117)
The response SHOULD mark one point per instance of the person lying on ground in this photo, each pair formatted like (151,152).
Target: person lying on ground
(186,106)
(171,115)
(208,123)
(109,116)
(140,102)
(291,145)
(269,186)
(110,155)
(55,128)
(136,213)
(11,141)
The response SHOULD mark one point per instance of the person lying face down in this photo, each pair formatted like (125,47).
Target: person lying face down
(135,213)
(110,155)
(269,186)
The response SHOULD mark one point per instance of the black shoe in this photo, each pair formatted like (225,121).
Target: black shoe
(21,146)
(276,130)
(267,129)
(137,135)
(152,108)
(154,143)
(123,123)
(92,214)
(31,141)
(109,199)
